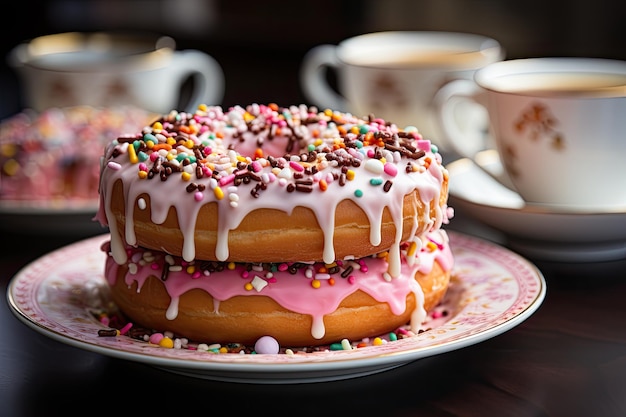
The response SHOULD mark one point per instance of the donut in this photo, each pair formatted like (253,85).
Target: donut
(270,184)
(53,156)
(297,304)
(217,194)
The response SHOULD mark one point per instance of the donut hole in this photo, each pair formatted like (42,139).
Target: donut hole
(248,143)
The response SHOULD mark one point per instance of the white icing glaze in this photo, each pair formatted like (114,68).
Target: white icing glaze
(242,128)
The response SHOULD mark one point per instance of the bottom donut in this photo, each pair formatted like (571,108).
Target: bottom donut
(298,304)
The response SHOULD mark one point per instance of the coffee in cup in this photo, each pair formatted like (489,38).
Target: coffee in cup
(558,126)
(394,75)
(110,69)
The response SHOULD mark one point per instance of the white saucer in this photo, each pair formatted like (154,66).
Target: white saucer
(492,290)
(536,231)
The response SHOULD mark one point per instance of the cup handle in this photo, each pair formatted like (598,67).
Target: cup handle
(315,86)
(208,77)
(462,97)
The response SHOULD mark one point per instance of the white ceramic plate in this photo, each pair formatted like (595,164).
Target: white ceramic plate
(60,218)
(539,232)
(492,291)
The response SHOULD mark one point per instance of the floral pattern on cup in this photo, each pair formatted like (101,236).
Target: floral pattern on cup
(116,91)
(386,88)
(538,123)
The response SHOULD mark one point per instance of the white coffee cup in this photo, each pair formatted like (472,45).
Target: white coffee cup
(394,75)
(558,124)
(110,69)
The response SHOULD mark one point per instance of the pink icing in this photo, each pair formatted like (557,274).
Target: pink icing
(274,130)
(292,291)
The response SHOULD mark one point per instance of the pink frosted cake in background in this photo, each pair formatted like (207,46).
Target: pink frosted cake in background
(54,156)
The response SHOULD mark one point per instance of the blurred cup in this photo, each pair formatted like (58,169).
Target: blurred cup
(558,125)
(394,75)
(109,69)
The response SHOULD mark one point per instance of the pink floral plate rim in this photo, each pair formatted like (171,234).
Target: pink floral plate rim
(492,290)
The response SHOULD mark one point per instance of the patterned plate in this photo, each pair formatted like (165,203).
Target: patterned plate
(492,291)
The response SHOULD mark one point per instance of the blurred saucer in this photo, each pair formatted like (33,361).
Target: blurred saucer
(540,232)
(61,218)
(489,161)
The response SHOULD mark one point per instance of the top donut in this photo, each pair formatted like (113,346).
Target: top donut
(264,183)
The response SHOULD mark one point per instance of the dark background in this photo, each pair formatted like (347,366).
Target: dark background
(260,44)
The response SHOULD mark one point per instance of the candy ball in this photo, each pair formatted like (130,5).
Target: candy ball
(156,338)
(266,344)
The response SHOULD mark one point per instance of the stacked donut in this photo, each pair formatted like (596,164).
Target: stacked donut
(307,226)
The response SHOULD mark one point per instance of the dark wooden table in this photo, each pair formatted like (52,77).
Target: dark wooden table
(568,359)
